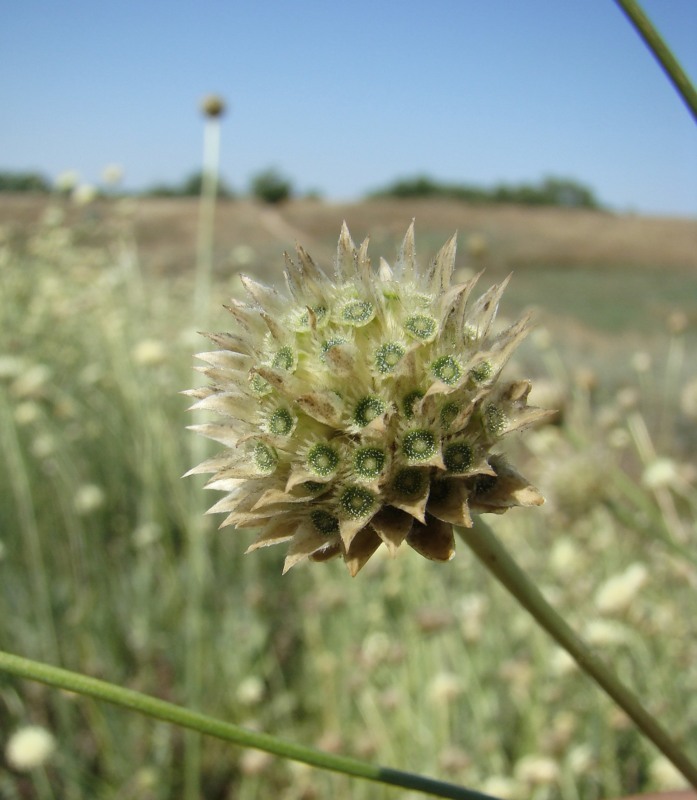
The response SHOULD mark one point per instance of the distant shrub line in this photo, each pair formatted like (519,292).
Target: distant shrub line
(549,192)
(23,182)
(271,186)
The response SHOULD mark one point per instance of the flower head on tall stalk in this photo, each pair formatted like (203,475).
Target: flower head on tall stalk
(361,408)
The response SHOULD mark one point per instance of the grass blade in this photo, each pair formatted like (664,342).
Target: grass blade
(195,721)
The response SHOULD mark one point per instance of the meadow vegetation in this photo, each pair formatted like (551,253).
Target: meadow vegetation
(413,664)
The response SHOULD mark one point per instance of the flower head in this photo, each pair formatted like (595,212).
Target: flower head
(361,408)
(213,106)
(29,747)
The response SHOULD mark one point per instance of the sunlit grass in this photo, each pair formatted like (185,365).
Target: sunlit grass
(412,664)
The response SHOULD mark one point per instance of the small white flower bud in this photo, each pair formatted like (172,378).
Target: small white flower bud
(29,748)
(88,498)
(618,592)
(537,770)
(660,473)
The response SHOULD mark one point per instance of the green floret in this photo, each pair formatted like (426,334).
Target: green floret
(447,369)
(281,422)
(259,385)
(482,371)
(320,313)
(367,409)
(357,312)
(324,522)
(357,502)
(421,326)
(283,359)
(494,419)
(265,458)
(458,457)
(387,356)
(410,482)
(328,344)
(410,401)
(322,460)
(368,462)
(419,445)
(448,414)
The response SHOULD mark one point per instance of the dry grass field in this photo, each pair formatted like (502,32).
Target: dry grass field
(604,286)
(108,565)
(586,273)
(517,237)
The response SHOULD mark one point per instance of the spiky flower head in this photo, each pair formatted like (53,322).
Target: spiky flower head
(362,408)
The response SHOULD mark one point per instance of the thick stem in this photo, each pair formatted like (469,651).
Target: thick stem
(661,52)
(195,721)
(489,550)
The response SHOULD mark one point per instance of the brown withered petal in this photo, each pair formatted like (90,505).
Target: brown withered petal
(326,553)
(306,541)
(508,489)
(349,529)
(362,547)
(321,406)
(415,506)
(530,416)
(434,540)
(450,503)
(279,530)
(392,525)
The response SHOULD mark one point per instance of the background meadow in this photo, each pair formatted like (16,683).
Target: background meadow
(108,565)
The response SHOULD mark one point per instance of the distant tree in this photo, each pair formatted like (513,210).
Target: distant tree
(189,187)
(419,186)
(162,190)
(523,194)
(23,182)
(270,186)
(569,193)
(423,186)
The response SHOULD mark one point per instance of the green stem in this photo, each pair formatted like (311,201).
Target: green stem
(489,550)
(664,56)
(193,720)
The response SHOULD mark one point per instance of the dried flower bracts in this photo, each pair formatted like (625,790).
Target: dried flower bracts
(361,408)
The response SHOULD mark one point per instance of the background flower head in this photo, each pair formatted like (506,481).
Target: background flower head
(29,747)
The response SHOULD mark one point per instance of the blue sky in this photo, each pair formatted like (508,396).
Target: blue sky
(346,97)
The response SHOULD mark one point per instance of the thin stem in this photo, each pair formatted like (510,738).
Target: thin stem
(197,554)
(206,222)
(193,669)
(489,550)
(661,51)
(20,487)
(193,720)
